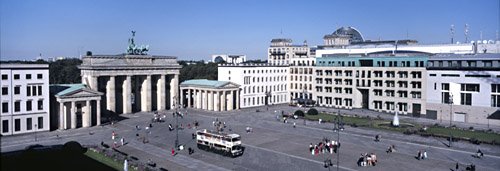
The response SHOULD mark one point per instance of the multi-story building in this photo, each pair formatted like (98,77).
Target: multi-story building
(261,84)
(380,83)
(463,88)
(282,51)
(301,77)
(24,98)
(232,59)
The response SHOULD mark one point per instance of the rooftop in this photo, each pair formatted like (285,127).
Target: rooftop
(206,83)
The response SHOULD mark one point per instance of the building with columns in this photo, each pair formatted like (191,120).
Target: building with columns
(74,106)
(132,82)
(210,95)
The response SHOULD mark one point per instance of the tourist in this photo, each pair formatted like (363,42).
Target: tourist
(113,135)
(419,155)
(319,121)
(122,140)
(374,159)
(170,127)
(293,124)
(377,137)
(360,160)
(425,155)
(479,153)
(456,166)
(173,152)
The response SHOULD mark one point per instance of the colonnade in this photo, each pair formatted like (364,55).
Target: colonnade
(210,99)
(69,108)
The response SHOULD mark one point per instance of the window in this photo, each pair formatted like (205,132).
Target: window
(495,100)
(40,123)
(4,77)
(39,76)
(16,76)
(5,107)
(28,105)
(33,90)
(40,89)
(17,90)
(445,86)
(469,87)
(466,99)
(28,76)
(29,124)
(487,63)
(17,124)
(5,90)
(445,98)
(40,104)
(17,106)
(28,90)
(495,88)
(5,126)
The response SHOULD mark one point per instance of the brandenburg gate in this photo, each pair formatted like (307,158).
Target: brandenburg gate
(134,81)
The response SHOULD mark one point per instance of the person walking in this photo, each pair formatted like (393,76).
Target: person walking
(425,155)
(173,152)
(419,155)
(122,140)
(293,124)
(113,135)
(456,166)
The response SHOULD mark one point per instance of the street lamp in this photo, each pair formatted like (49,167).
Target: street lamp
(176,123)
(451,113)
(338,125)
(36,128)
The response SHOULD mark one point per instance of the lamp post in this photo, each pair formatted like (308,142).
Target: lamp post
(36,130)
(451,113)
(338,125)
(176,123)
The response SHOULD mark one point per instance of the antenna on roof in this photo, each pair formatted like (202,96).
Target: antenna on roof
(452,32)
(466,32)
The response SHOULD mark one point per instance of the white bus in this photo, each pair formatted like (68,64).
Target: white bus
(222,143)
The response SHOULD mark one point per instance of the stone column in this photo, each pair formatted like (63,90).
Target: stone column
(65,116)
(238,99)
(230,101)
(61,115)
(199,102)
(223,101)
(182,97)
(93,82)
(73,115)
(216,101)
(98,112)
(189,97)
(173,90)
(161,93)
(211,101)
(127,98)
(110,94)
(205,100)
(146,95)
(86,116)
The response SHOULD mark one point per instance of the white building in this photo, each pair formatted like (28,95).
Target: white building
(282,51)
(232,59)
(260,84)
(24,98)
(463,87)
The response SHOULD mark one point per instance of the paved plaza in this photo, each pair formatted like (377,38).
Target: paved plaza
(273,145)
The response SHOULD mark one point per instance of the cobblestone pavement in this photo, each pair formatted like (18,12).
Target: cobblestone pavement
(273,145)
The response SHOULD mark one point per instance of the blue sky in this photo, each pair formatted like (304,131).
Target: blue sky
(196,29)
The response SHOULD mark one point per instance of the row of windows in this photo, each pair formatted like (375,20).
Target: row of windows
(378,64)
(301,71)
(299,78)
(17,124)
(263,89)
(367,83)
(402,107)
(253,101)
(465,98)
(335,101)
(31,90)
(486,64)
(18,76)
(262,71)
(299,86)
(249,79)
(367,74)
(17,106)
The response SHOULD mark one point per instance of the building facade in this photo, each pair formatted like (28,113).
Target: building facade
(25,98)
(282,51)
(383,83)
(463,88)
(261,84)
(74,106)
(210,95)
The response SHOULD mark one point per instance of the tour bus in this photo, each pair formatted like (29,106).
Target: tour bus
(222,143)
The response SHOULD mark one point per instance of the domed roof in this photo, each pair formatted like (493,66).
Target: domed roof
(352,32)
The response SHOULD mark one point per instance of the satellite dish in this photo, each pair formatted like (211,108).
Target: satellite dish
(485,41)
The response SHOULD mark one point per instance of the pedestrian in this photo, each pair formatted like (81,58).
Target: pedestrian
(479,153)
(113,135)
(311,147)
(456,166)
(122,140)
(293,124)
(173,152)
(419,155)
(319,121)
(137,127)
(377,137)
(425,155)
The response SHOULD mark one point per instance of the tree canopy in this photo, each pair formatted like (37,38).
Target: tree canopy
(199,70)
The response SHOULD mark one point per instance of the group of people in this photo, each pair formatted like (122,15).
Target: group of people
(158,118)
(114,138)
(367,159)
(324,146)
(219,125)
(421,155)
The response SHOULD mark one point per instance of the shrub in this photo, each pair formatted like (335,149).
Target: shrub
(299,113)
(312,111)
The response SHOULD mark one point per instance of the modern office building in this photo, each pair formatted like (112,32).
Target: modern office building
(25,98)
(463,88)
(260,84)
(381,83)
